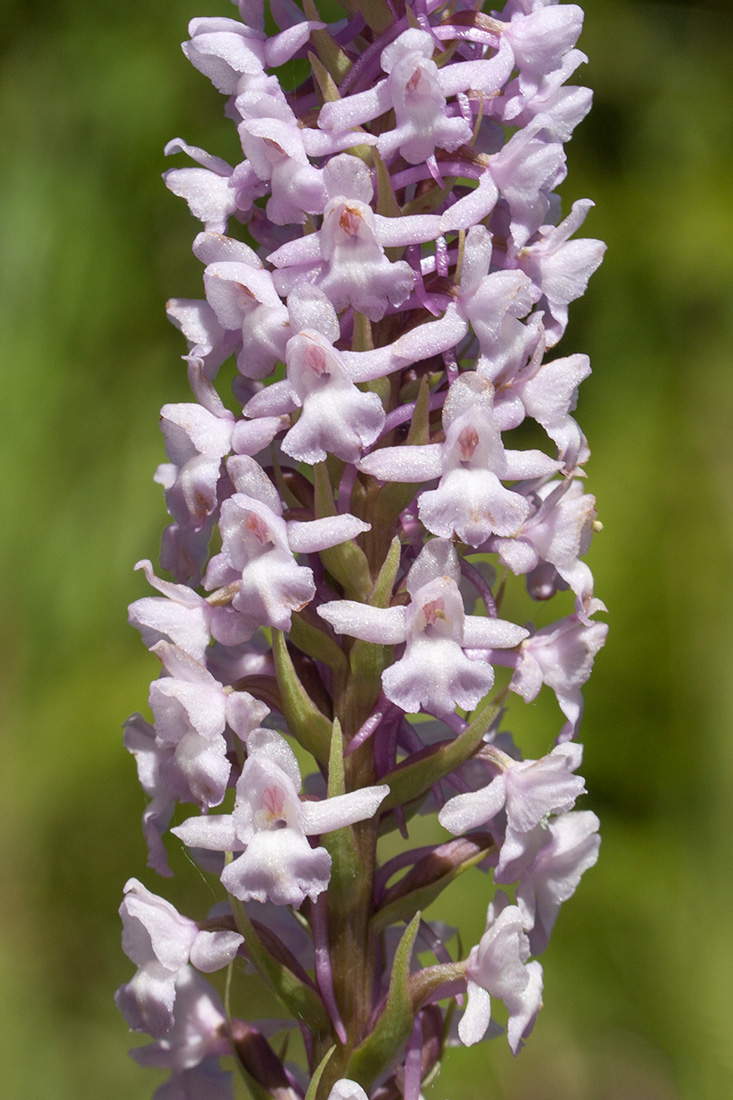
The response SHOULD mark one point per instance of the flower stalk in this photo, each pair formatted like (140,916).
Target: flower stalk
(389,270)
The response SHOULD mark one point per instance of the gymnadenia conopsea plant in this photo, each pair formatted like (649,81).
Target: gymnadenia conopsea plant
(387,272)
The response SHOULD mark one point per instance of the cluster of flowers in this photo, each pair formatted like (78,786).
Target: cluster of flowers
(406,269)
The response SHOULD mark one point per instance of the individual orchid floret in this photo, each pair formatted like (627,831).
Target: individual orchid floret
(493,305)
(153,760)
(541,39)
(180,616)
(244,299)
(161,942)
(560,268)
(470,500)
(529,791)
(191,712)
(258,548)
(196,440)
(498,967)
(208,342)
(210,339)
(417,89)
(417,98)
(214,190)
(270,827)
(526,170)
(418,102)
(346,257)
(570,848)
(561,656)
(562,106)
(256,558)
(548,393)
(273,144)
(435,672)
(336,418)
(191,1049)
(550,544)
(234,56)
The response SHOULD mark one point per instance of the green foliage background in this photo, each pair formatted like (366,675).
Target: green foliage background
(639,976)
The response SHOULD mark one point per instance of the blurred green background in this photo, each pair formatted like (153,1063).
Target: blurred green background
(639,976)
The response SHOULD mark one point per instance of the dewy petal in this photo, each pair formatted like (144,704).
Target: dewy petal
(537,788)
(474,808)
(179,707)
(340,810)
(214,832)
(475,1020)
(384,626)
(214,950)
(524,1009)
(268,745)
(153,929)
(555,872)
(198,769)
(472,503)
(139,740)
(436,674)
(278,865)
(541,39)
(147,1000)
(336,417)
(347,1090)
(437,559)
(197,1037)
(306,537)
(182,618)
(406,464)
(210,196)
(224,50)
(190,429)
(355,110)
(480,632)
(497,965)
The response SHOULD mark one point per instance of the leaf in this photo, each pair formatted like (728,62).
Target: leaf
(387,204)
(316,1078)
(311,728)
(299,999)
(419,433)
(381,594)
(326,83)
(340,843)
(336,774)
(429,877)
(395,1022)
(333,57)
(368,661)
(307,635)
(347,563)
(377,13)
(261,1067)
